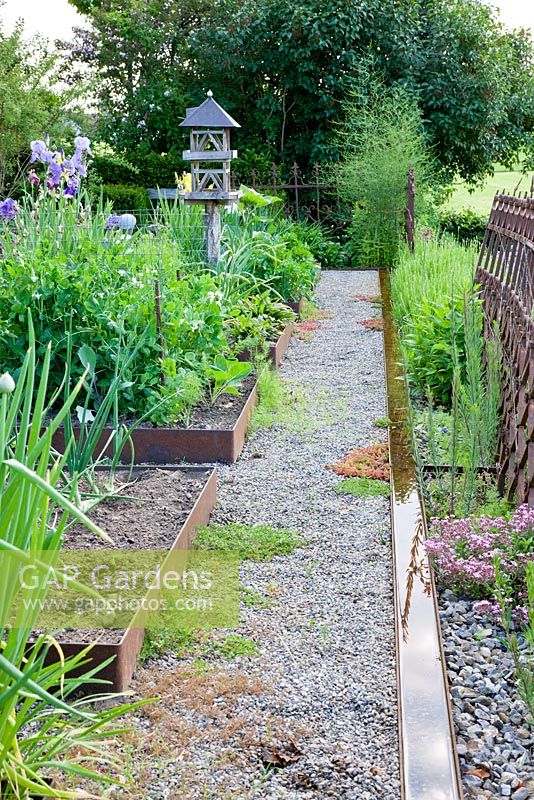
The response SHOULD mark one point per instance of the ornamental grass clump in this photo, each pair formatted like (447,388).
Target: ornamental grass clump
(467,553)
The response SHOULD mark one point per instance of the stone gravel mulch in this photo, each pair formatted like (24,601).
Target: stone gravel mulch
(495,743)
(314,714)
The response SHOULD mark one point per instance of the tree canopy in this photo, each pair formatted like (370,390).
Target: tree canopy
(30,108)
(284,68)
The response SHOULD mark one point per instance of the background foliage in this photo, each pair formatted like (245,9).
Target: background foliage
(284,69)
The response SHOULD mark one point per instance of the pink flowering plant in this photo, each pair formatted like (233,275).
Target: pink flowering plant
(466,554)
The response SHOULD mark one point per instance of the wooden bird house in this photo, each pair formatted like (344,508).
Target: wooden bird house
(210,155)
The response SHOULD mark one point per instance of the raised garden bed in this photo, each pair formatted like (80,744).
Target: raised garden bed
(277,350)
(174,501)
(217,433)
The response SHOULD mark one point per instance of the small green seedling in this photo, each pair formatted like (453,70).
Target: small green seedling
(252,599)
(235,645)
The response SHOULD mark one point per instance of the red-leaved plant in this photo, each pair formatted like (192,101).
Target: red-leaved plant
(365,462)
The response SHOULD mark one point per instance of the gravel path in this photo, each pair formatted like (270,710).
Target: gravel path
(319,701)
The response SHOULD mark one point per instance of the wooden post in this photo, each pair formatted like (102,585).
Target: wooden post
(410,210)
(213,232)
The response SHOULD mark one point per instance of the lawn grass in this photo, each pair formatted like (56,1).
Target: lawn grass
(481,199)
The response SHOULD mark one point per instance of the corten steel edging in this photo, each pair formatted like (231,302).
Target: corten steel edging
(125,652)
(174,445)
(428,757)
(277,350)
(296,305)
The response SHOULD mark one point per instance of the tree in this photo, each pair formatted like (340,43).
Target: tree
(140,51)
(283,68)
(475,84)
(297,63)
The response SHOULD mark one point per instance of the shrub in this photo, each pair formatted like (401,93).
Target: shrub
(465,225)
(254,163)
(158,169)
(125,198)
(328,253)
(114,169)
(291,270)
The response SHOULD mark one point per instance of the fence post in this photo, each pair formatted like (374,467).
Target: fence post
(295,173)
(410,210)
(317,177)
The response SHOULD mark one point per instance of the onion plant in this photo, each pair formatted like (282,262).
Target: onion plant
(42,731)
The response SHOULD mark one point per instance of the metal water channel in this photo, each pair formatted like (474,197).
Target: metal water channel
(428,758)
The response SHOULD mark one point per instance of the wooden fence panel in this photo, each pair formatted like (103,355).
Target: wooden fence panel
(505,274)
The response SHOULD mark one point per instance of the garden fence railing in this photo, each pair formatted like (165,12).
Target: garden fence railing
(306,196)
(505,273)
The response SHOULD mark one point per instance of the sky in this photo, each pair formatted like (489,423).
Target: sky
(55,18)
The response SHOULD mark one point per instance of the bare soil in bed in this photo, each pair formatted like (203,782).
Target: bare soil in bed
(220,415)
(149,514)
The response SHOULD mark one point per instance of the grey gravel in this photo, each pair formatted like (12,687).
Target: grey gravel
(493,735)
(326,645)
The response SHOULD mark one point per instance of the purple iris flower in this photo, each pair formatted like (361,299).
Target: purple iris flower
(40,152)
(68,166)
(54,175)
(72,187)
(33,178)
(8,209)
(83,144)
(113,221)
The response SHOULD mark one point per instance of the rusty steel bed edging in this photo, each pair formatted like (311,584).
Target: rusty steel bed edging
(277,350)
(428,757)
(125,652)
(176,445)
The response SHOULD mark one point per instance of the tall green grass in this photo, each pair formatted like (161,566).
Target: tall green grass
(438,266)
(453,374)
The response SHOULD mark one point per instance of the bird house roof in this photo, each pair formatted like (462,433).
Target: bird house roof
(208,114)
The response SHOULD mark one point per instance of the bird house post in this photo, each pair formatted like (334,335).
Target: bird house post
(210,155)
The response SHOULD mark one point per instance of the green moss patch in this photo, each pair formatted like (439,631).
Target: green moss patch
(362,487)
(252,542)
